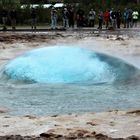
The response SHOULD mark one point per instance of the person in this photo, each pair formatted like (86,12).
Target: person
(71,17)
(129,18)
(113,17)
(4,18)
(80,17)
(106,18)
(110,12)
(118,18)
(33,18)
(65,18)
(53,18)
(125,17)
(92,15)
(100,18)
(135,16)
(13,17)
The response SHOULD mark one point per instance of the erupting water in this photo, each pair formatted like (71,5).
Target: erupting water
(67,80)
(67,65)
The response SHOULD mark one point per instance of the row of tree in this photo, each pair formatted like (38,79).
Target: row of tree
(44,14)
(100,2)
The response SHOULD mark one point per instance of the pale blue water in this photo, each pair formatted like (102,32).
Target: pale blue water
(67,65)
(59,80)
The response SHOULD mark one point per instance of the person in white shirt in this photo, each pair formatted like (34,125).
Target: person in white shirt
(135,16)
(92,15)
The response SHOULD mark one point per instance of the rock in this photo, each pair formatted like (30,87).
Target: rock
(5,125)
(78,134)
(90,135)
(91,123)
(112,123)
(119,38)
(101,137)
(30,117)
(12,137)
(54,116)
(19,137)
(50,135)
(133,138)
(70,136)
(137,112)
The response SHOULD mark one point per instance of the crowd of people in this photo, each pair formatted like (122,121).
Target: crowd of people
(113,18)
(70,17)
(129,18)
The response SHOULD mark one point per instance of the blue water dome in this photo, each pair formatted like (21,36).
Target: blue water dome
(60,64)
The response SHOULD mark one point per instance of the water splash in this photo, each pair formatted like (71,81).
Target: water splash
(67,65)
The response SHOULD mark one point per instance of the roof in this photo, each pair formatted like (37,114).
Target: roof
(57,5)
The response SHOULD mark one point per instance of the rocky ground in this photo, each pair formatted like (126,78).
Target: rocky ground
(111,125)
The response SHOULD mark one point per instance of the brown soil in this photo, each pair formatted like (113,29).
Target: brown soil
(78,135)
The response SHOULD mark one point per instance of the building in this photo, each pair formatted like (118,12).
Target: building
(40,1)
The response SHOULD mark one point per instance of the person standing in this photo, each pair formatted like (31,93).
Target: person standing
(4,18)
(33,18)
(100,18)
(71,17)
(135,16)
(129,18)
(53,18)
(65,18)
(106,18)
(80,17)
(13,17)
(110,11)
(118,18)
(125,17)
(92,15)
(113,17)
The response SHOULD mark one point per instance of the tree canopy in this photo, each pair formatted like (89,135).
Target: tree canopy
(9,3)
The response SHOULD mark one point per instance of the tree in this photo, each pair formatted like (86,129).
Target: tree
(9,3)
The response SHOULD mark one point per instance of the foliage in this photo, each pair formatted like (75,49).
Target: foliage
(10,3)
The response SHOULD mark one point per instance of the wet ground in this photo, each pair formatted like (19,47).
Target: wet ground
(121,44)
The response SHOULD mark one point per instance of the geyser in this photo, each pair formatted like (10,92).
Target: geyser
(60,64)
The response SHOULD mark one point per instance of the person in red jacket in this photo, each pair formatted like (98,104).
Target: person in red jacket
(106,18)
